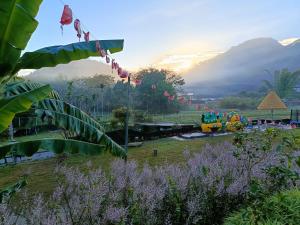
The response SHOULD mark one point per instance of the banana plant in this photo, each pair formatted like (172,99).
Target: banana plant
(64,116)
(17,24)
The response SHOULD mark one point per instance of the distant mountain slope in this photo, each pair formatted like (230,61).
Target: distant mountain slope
(71,71)
(242,67)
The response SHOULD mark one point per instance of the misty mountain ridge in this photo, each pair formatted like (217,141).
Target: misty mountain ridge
(242,67)
(71,71)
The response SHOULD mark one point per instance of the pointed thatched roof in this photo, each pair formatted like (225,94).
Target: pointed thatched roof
(272,101)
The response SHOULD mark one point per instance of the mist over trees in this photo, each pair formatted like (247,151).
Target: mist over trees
(101,93)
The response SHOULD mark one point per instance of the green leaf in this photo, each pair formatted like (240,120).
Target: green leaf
(52,56)
(72,119)
(7,192)
(298,161)
(50,107)
(20,103)
(22,86)
(58,146)
(17,24)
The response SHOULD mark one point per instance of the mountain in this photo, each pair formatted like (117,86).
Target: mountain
(242,67)
(72,71)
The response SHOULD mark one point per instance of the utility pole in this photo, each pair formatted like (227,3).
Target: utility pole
(102,99)
(127,115)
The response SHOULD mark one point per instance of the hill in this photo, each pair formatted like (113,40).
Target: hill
(242,67)
(72,71)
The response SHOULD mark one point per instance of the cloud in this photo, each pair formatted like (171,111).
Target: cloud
(25,72)
(168,10)
(184,62)
(288,41)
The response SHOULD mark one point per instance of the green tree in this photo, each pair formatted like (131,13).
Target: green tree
(284,83)
(149,95)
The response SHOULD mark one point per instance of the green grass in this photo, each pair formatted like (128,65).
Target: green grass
(41,178)
(195,116)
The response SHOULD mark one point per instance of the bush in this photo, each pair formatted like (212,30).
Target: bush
(119,117)
(241,103)
(208,187)
(283,208)
(141,116)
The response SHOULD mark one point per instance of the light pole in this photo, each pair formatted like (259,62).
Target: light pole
(127,116)
(102,99)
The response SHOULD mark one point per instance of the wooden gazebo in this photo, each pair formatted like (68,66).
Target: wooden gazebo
(272,102)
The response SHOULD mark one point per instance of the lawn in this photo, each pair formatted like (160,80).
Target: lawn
(194,117)
(41,177)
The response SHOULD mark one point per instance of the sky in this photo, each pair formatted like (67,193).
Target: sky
(175,34)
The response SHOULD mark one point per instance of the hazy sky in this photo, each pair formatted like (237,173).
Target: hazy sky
(170,31)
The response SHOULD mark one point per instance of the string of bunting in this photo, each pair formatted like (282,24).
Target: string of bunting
(67,19)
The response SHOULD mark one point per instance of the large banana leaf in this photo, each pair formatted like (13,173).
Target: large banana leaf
(22,86)
(17,24)
(58,146)
(50,107)
(20,103)
(51,56)
(72,119)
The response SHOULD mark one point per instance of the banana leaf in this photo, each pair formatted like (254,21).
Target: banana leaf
(17,24)
(48,107)
(22,122)
(22,86)
(7,192)
(70,118)
(58,146)
(20,103)
(52,56)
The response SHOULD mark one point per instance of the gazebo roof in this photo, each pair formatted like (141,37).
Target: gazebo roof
(272,101)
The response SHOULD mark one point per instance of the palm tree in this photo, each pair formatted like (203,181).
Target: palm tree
(283,84)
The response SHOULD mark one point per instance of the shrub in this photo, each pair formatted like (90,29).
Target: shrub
(282,208)
(208,187)
(141,116)
(119,117)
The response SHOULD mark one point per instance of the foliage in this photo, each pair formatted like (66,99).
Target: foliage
(206,188)
(97,81)
(16,17)
(141,116)
(241,103)
(116,96)
(19,97)
(282,208)
(58,146)
(9,106)
(149,95)
(6,193)
(119,117)
(51,56)
(283,84)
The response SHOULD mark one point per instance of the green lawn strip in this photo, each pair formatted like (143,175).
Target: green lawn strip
(195,116)
(41,177)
